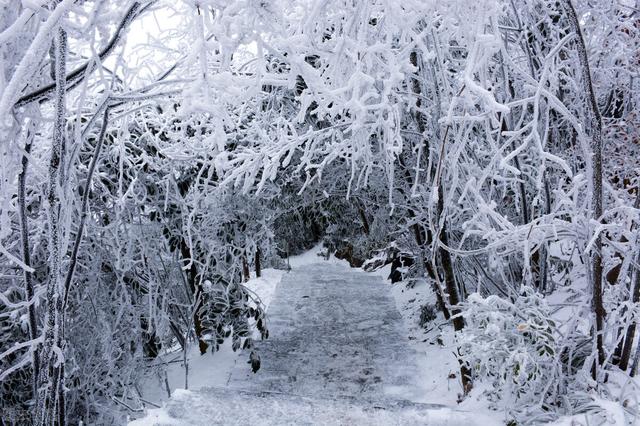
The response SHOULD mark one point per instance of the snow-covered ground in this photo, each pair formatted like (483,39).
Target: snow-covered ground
(435,344)
(339,353)
(311,380)
(213,407)
(213,370)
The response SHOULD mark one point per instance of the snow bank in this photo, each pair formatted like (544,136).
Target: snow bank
(436,347)
(265,286)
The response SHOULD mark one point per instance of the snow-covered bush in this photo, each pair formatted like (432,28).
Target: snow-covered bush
(226,313)
(513,344)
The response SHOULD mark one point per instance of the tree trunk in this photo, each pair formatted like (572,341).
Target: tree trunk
(625,354)
(636,360)
(26,258)
(452,289)
(595,128)
(246,272)
(50,382)
(62,412)
(363,217)
(257,263)
(437,289)
(623,349)
(196,290)
(631,331)
(441,236)
(425,149)
(83,209)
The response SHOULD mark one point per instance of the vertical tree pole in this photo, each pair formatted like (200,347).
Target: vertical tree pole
(595,128)
(50,400)
(452,288)
(26,258)
(246,273)
(631,330)
(257,263)
(418,234)
(441,244)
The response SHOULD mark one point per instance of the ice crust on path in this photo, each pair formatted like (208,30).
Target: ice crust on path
(337,354)
(333,332)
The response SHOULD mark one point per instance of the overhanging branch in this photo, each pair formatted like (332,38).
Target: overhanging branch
(75,76)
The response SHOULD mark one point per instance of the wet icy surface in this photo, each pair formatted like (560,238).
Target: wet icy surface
(337,354)
(334,332)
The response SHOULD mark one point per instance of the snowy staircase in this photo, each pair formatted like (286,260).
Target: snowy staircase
(338,354)
(220,406)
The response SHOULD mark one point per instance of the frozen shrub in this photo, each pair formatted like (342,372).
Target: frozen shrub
(512,344)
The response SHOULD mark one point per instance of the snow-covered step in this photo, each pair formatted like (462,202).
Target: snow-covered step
(215,406)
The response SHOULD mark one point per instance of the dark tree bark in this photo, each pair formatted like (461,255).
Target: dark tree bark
(83,209)
(246,272)
(50,399)
(623,348)
(257,263)
(452,289)
(419,235)
(636,360)
(625,354)
(623,351)
(595,128)
(363,217)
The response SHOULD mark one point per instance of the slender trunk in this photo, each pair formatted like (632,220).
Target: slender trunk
(196,290)
(185,361)
(523,192)
(62,414)
(544,268)
(26,258)
(452,289)
(50,382)
(363,217)
(246,272)
(437,289)
(636,359)
(595,127)
(441,241)
(257,263)
(628,329)
(625,353)
(425,150)
(83,208)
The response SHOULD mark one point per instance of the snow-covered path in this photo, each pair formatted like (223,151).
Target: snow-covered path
(334,331)
(337,354)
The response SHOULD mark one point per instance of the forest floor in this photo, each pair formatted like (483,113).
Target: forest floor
(338,353)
